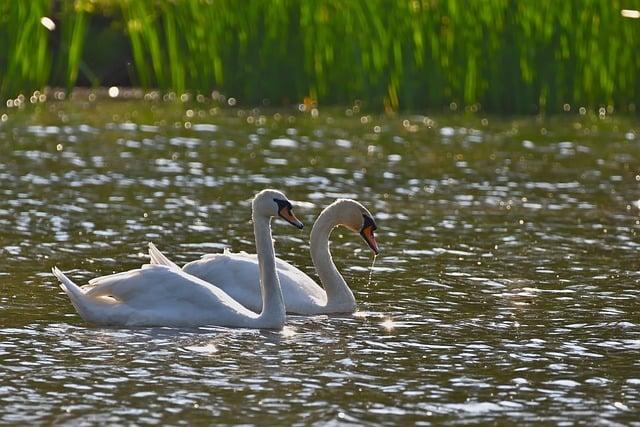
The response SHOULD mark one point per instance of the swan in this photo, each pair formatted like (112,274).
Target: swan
(160,295)
(237,273)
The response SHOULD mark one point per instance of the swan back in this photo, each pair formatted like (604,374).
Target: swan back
(157,295)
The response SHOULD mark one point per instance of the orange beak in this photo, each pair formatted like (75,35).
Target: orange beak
(286,214)
(367,235)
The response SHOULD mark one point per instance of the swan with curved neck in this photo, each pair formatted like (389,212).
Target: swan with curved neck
(161,295)
(237,273)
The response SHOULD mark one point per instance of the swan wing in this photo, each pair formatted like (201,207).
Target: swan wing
(158,286)
(157,257)
(155,295)
(238,274)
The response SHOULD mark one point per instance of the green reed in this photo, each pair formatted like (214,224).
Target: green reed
(24,59)
(497,55)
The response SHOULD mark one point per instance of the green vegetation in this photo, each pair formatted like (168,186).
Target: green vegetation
(498,55)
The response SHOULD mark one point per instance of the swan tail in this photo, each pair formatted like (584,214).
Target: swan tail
(83,305)
(158,257)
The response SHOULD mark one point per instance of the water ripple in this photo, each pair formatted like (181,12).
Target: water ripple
(506,290)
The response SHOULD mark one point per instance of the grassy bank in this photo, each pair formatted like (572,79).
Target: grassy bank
(513,56)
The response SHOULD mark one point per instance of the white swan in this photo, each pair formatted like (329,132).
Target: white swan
(237,273)
(159,295)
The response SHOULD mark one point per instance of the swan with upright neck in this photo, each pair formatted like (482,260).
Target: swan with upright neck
(161,295)
(237,273)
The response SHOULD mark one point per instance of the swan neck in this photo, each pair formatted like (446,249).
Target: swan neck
(339,296)
(273,308)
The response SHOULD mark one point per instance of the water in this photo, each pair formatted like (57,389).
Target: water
(506,290)
(373,264)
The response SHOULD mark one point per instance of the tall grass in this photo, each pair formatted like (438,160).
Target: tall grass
(24,58)
(498,55)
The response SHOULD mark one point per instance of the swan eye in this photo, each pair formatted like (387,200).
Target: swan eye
(368,222)
(282,204)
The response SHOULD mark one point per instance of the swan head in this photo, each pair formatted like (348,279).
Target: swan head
(269,203)
(358,219)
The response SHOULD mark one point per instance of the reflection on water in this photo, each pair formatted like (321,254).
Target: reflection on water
(506,290)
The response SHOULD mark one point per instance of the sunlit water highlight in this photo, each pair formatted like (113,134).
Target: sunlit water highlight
(506,289)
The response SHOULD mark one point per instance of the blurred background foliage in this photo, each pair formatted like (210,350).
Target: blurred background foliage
(503,56)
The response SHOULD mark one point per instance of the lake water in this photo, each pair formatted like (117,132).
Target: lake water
(507,289)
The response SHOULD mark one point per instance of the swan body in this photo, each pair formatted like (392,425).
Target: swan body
(155,295)
(237,273)
(161,295)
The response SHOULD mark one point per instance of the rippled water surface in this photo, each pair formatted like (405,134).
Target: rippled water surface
(507,288)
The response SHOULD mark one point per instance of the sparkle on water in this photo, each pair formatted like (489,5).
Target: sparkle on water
(506,290)
(388,324)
